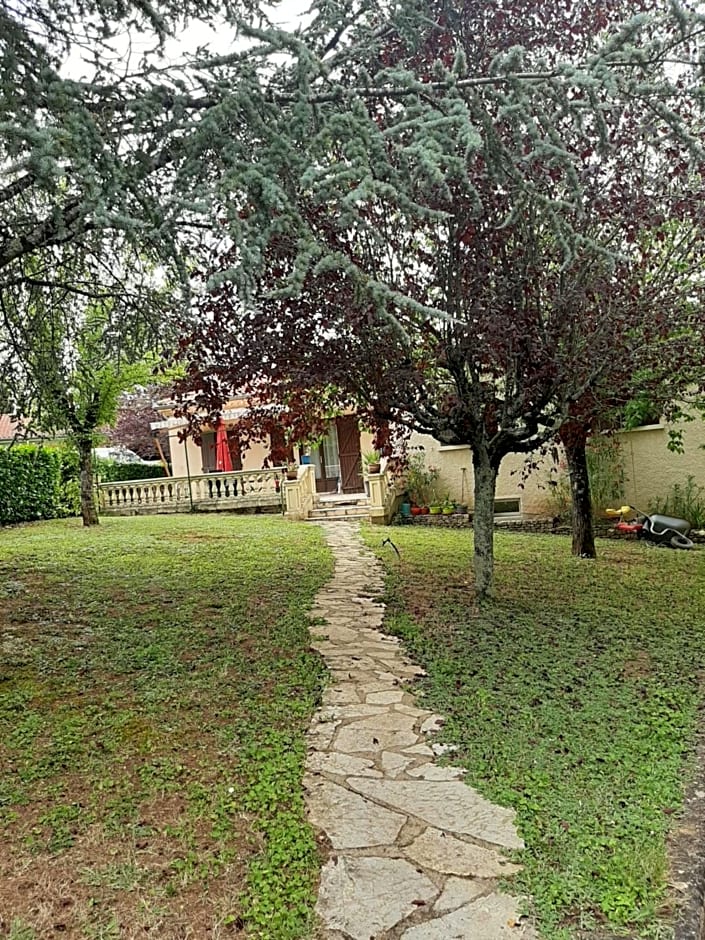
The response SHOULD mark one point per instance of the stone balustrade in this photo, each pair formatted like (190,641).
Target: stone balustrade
(236,489)
(300,494)
(384,496)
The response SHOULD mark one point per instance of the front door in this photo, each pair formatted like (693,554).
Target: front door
(349,454)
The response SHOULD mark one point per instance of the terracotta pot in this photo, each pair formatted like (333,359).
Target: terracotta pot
(292,474)
(373,467)
(416,511)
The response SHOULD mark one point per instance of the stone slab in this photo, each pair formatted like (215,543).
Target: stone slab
(364,897)
(449,805)
(385,698)
(494,917)
(364,737)
(342,765)
(350,821)
(433,772)
(458,892)
(443,853)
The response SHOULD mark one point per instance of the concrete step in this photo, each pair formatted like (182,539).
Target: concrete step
(332,513)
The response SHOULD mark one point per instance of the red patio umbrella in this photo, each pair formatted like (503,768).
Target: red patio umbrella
(223,461)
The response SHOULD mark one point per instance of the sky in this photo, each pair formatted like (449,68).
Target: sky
(218,40)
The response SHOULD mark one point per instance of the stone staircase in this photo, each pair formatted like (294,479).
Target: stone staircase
(341,508)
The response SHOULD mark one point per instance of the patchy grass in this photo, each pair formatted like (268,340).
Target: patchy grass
(155,684)
(574,699)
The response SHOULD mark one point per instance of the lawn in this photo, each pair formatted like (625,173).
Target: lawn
(573,698)
(155,684)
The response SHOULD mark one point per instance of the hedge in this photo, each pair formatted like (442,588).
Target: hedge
(30,484)
(109,471)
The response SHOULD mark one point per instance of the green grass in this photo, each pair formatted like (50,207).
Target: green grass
(574,699)
(155,684)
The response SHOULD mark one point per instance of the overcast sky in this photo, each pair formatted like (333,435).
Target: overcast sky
(218,40)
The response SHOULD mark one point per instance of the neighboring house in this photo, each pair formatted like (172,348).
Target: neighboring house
(337,457)
(8,429)
(12,433)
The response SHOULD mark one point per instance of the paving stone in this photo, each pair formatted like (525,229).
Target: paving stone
(412,710)
(420,750)
(432,724)
(392,761)
(457,892)
(363,739)
(385,698)
(340,713)
(349,821)
(450,805)
(320,736)
(444,853)
(432,772)
(366,896)
(347,696)
(440,749)
(344,765)
(490,918)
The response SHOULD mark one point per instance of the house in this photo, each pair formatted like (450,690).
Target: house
(336,457)
(647,473)
(217,472)
(331,478)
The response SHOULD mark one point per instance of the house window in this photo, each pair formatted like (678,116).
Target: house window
(510,506)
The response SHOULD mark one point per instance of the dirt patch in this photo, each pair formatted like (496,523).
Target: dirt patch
(151,882)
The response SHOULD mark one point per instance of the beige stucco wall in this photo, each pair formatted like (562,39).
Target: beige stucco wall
(456,477)
(651,469)
(178,450)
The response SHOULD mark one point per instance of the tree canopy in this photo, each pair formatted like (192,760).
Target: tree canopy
(434,206)
(454,232)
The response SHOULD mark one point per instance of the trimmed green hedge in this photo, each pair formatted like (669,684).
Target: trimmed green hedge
(109,471)
(30,484)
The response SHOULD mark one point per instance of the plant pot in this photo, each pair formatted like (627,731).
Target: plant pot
(462,508)
(416,511)
(435,510)
(448,510)
(374,467)
(292,474)
(424,510)
(405,509)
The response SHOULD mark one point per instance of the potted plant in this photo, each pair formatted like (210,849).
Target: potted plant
(448,506)
(373,461)
(292,470)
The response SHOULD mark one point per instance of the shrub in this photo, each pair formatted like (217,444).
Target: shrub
(684,501)
(110,471)
(30,483)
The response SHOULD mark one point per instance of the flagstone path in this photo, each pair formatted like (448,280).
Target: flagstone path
(415,852)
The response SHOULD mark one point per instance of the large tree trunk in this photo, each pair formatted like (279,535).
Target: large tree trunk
(89,511)
(483,523)
(574,439)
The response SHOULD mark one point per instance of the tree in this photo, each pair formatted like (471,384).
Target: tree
(64,360)
(135,412)
(437,226)
(654,352)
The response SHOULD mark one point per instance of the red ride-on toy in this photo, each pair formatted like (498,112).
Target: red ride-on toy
(654,528)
